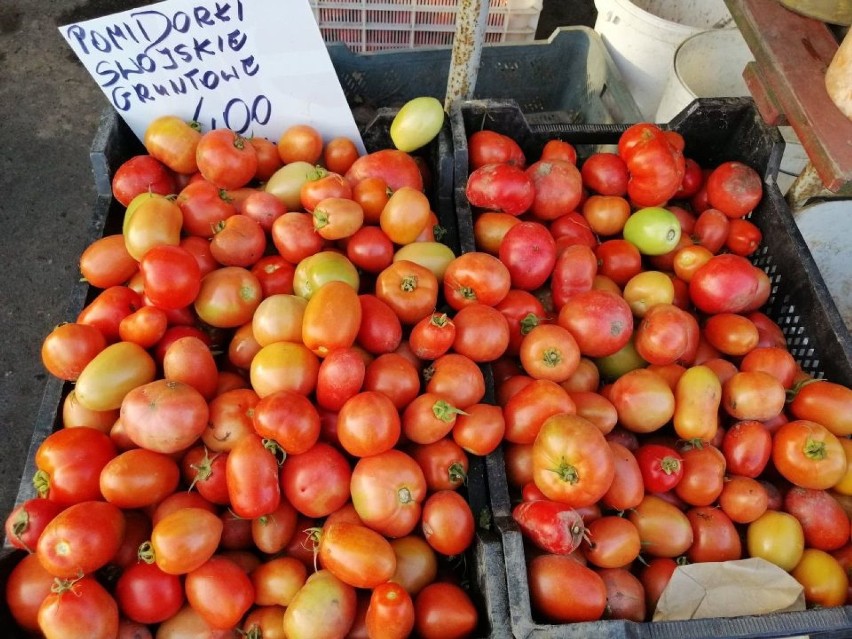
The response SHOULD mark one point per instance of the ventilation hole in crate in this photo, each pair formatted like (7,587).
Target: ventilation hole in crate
(508,66)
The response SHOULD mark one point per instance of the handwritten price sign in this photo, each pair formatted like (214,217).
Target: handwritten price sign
(254,66)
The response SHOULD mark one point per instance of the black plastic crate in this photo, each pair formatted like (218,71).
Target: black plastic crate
(114,143)
(570,77)
(715,130)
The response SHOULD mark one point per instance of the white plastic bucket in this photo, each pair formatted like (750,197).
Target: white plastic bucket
(827,230)
(708,64)
(642,36)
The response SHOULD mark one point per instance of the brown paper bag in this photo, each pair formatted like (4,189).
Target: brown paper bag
(729,589)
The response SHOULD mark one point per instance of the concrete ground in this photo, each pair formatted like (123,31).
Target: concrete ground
(49,109)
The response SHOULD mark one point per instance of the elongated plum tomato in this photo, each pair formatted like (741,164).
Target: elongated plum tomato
(553,527)
(417,123)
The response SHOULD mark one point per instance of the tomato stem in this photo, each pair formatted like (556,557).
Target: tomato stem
(669,464)
(551,357)
(529,322)
(467,292)
(798,386)
(439,319)
(457,474)
(22,523)
(815,449)
(41,482)
(146,552)
(320,219)
(404,495)
(567,472)
(445,411)
(409,283)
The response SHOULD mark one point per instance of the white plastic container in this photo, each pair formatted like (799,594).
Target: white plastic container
(827,230)
(708,64)
(642,36)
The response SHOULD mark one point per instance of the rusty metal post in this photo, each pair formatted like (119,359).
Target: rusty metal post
(471,20)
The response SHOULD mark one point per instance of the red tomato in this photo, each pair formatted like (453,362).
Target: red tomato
(106,262)
(316,482)
(747,446)
(166,416)
(173,142)
(734,188)
(107,310)
(185,539)
(656,167)
(238,241)
(743,499)
(251,472)
(26,522)
(444,464)
(228,297)
(380,330)
(753,395)
(558,188)
(447,522)
(220,591)
(605,173)
(68,348)
(141,174)
(703,475)
(824,521)
(355,554)
(601,322)
(573,273)
(552,526)
(146,594)
(204,207)
(527,410)
(528,250)
(442,610)
(81,608)
(663,528)
(138,478)
(563,590)
(661,466)
(643,399)
(395,376)
(69,463)
(612,542)
(368,424)
(549,351)
(627,488)
(715,538)
(396,168)
(572,462)
(390,614)
(476,277)
(457,378)
(410,289)
(81,539)
(826,403)
(727,283)
(482,332)
(501,187)
(27,586)
(387,491)
(480,429)
(808,455)
(490,147)
(618,259)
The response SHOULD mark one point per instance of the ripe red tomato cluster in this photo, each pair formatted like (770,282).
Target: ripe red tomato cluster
(653,413)
(272,416)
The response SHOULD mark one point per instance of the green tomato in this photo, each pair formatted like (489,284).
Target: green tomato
(417,123)
(620,362)
(653,230)
(320,268)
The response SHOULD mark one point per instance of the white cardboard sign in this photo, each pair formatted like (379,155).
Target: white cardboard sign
(254,66)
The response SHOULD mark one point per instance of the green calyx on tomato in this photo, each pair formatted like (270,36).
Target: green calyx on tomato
(815,449)
(529,322)
(445,411)
(41,482)
(567,472)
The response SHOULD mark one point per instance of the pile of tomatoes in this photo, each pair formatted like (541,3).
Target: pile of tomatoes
(653,414)
(271,416)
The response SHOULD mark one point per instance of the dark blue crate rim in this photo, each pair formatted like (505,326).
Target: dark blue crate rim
(718,129)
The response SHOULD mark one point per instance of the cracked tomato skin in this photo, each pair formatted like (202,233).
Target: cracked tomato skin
(501,187)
